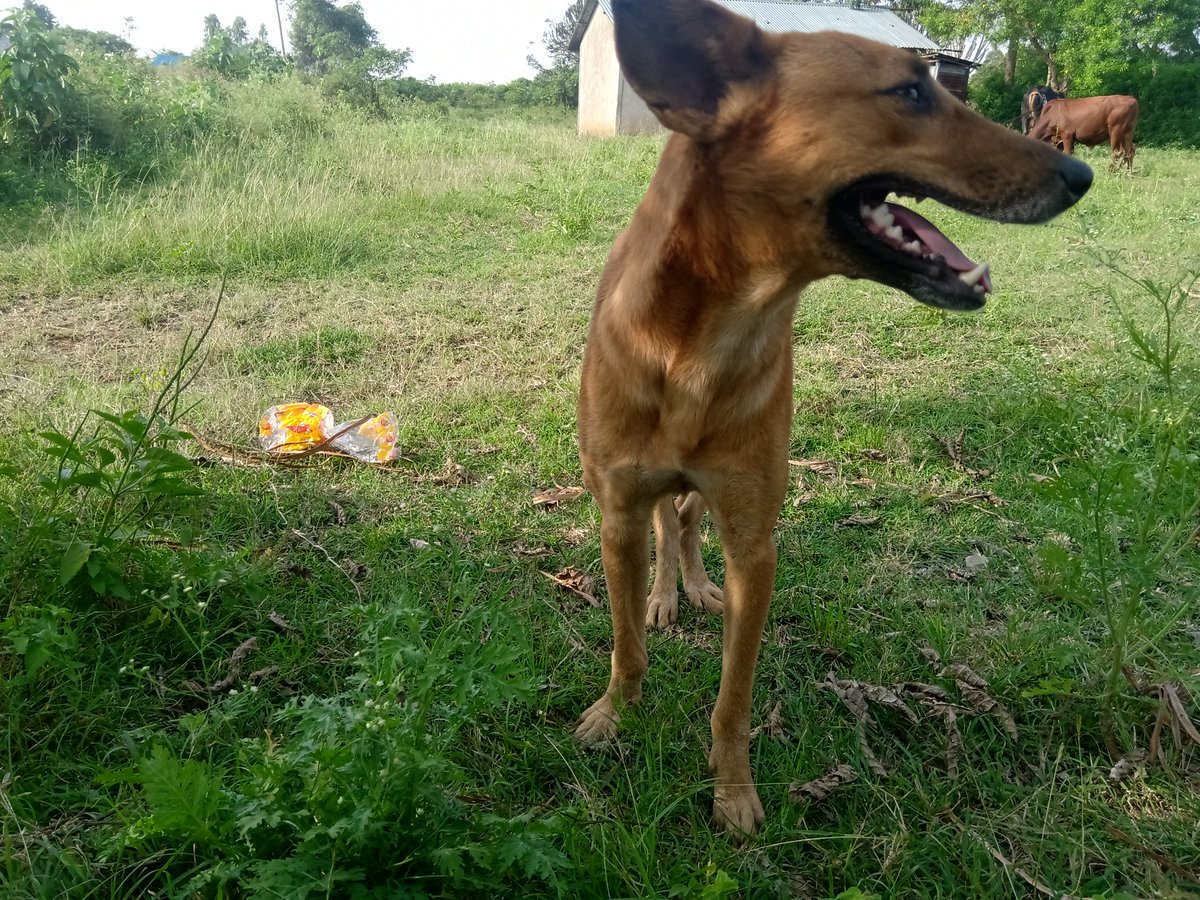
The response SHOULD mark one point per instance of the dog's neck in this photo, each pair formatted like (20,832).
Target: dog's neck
(695,270)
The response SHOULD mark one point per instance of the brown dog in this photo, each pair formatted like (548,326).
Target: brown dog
(786,147)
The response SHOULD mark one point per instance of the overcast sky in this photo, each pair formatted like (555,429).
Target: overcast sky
(453,40)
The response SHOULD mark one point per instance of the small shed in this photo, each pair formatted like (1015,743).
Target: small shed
(608,105)
(951,71)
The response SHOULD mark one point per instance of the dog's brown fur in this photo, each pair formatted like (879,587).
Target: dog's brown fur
(687,379)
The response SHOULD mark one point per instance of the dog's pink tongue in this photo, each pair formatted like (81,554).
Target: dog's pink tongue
(931,237)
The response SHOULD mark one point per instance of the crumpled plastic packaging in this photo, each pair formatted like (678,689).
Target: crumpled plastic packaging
(297,427)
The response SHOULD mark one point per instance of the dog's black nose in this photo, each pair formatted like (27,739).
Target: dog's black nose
(1077,175)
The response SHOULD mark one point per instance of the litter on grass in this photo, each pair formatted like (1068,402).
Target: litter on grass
(292,428)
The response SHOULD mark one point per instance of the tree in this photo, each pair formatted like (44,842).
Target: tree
(41,12)
(325,35)
(1077,40)
(104,43)
(560,80)
(33,74)
(237,31)
(212,27)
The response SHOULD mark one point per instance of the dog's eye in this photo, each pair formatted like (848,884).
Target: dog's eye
(911,93)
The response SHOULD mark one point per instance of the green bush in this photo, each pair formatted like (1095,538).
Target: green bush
(998,101)
(33,75)
(1168,96)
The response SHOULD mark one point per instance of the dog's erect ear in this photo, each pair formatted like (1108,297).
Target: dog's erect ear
(682,56)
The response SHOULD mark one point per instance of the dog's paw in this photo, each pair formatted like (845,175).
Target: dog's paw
(705,595)
(598,724)
(738,812)
(662,608)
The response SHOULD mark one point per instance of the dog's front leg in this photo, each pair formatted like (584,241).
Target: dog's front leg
(625,549)
(745,517)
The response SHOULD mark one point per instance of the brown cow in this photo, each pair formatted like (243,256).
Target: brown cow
(1090,121)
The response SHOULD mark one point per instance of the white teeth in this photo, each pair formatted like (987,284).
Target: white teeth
(979,289)
(972,277)
(914,248)
(881,217)
(895,232)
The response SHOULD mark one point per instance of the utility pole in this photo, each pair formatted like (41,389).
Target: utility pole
(279,19)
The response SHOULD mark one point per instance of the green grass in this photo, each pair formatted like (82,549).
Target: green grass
(444,269)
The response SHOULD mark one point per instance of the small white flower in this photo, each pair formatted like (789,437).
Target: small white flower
(232,691)
(202,605)
(122,670)
(369,704)
(379,684)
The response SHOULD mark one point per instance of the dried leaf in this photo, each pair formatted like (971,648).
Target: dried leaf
(930,655)
(975,691)
(818,789)
(418,544)
(850,693)
(858,520)
(263,674)
(453,474)
(975,563)
(1179,716)
(577,582)
(575,536)
(1127,765)
(532,551)
(960,498)
(281,623)
(804,497)
(874,455)
(552,497)
(925,694)
(339,512)
(954,449)
(773,727)
(953,739)
(864,482)
(872,760)
(822,467)
(233,675)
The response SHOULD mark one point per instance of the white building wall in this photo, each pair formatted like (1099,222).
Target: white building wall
(633,115)
(599,77)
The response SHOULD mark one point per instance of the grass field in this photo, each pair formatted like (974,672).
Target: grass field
(1015,490)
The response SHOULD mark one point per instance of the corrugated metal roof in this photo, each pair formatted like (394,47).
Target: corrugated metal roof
(881,25)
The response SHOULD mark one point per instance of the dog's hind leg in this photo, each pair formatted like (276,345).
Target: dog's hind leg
(662,606)
(698,587)
(625,548)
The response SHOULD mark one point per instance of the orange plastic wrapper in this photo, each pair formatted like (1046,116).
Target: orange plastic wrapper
(297,427)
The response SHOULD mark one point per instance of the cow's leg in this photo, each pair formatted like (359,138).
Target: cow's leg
(1068,142)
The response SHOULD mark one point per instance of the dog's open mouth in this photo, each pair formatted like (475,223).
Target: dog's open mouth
(900,248)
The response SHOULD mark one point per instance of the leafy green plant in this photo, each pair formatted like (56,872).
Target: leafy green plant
(365,775)
(117,477)
(33,73)
(1132,493)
